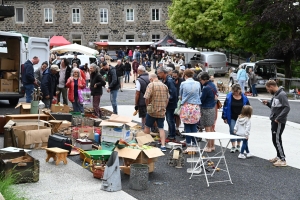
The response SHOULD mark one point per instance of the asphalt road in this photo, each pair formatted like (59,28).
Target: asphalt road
(127,98)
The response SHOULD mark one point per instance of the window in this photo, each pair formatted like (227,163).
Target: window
(76,15)
(129,38)
(129,15)
(48,15)
(76,39)
(103,38)
(155,14)
(19,15)
(103,15)
(155,38)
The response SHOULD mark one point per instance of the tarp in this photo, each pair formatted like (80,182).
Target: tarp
(174,50)
(56,41)
(75,48)
(168,41)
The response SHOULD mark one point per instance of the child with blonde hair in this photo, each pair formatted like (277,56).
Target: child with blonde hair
(242,128)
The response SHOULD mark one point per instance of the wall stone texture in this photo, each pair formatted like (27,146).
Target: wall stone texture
(90,27)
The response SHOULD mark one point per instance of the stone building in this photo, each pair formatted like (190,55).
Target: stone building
(88,21)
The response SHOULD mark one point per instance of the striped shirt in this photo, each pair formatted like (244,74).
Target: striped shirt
(158,95)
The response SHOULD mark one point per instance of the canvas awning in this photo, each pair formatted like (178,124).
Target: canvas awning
(168,41)
(57,41)
(75,48)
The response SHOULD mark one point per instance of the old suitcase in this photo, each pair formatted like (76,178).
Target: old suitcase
(57,140)
(22,166)
(2,123)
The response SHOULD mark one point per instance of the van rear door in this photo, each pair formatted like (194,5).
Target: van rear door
(38,47)
(217,61)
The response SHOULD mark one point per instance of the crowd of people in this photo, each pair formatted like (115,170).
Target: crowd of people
(187,96)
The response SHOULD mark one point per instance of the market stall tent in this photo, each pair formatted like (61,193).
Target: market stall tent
(168,41)
(56,41)
(75,48)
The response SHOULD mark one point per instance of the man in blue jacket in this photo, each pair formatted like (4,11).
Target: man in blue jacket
(162,73)
(48,86)
(28,79)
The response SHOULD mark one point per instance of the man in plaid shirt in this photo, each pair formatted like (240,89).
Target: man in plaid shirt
(157,94)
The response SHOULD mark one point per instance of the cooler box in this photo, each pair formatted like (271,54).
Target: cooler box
(84,144)
(59,141)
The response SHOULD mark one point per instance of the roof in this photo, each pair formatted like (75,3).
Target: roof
(58,41)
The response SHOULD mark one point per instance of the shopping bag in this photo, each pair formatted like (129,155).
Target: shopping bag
(86,94)
(178,109)
(80,96)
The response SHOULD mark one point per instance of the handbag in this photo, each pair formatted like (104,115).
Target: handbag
(219,104)
(178,109)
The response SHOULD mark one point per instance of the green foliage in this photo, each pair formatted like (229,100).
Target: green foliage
(197,21)
(6,188)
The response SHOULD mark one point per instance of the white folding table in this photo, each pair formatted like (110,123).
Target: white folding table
(202,160)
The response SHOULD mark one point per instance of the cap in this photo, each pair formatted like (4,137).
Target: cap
(182,67)
(55,67)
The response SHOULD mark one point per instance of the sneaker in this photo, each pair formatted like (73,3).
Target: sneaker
(273,160)
(163,149)
(249,155)
(280,163)
(242,156)
(232,150)
(238,148)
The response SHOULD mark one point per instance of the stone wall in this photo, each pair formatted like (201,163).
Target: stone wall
(90,28)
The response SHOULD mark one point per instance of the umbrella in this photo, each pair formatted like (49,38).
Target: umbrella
(76,48)
(58,41)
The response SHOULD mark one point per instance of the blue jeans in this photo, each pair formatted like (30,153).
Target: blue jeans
(245,146)
(231,127)
(254,91)
(77,106)
(113,100)
(190,128)
(87,83)
(171,122)
(127,76)
(47,102)
(242,84)
(28,91)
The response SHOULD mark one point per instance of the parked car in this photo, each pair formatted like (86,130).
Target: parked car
(83,59)
(113,55)
(216,60)
(263,69)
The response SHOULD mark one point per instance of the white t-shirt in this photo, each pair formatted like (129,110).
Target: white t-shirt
(137,85)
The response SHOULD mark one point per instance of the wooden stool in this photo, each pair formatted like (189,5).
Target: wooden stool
(57,154)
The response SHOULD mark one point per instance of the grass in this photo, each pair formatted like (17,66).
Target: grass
(6,189)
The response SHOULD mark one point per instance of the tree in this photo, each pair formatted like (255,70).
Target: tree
(281,19)
(197,21)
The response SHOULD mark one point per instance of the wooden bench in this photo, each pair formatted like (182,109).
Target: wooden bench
(57,154)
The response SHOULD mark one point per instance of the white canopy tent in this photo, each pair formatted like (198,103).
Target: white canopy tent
(75,47)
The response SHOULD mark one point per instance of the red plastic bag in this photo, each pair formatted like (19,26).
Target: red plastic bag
(54,100)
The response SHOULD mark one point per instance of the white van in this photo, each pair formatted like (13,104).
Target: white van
(13,53)
(216,60)
(83,59)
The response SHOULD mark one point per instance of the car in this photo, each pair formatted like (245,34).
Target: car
(112,55)
(216,60)
(264,70)
(83,59)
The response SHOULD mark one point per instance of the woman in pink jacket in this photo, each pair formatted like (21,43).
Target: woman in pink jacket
(75,83)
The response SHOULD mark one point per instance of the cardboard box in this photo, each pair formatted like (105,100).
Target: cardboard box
(16,85)
(10,75)
(32,136)
(24,108)
(87,130)
(27,117)
(24,167)
(7,64)
(55,108)
(117,127)
(6,85)
(10,139)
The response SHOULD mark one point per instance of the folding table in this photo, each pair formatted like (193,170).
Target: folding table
(202,160)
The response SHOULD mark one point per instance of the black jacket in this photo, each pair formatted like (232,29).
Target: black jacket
(48,86)
(144,81)
(67,75)
(97,79)
(127,66)
(77,60)
(120,70)
(28,73)
(112,78)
